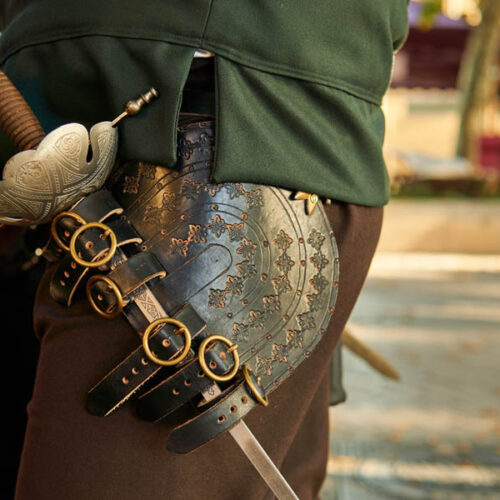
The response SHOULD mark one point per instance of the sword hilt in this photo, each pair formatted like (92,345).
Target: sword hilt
(17,119)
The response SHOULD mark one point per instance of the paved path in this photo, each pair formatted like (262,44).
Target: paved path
(435,434)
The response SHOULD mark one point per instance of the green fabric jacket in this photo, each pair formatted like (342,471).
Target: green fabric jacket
(298,83)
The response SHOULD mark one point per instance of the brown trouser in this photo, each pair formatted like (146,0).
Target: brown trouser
(72,455)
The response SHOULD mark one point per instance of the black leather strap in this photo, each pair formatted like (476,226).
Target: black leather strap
(98,206)
(216,417)
(184,385)
(128,276)
(131,374)
(91,246)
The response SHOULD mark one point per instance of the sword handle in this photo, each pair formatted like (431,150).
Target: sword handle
(17,119)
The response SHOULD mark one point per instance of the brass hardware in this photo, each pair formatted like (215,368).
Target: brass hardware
(311,200)
(134,106)
(108,232)
(53,227)
(182,328)
(233,349)
(246,373)
(118,295)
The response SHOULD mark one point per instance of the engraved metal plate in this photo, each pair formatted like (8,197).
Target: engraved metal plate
(248,258)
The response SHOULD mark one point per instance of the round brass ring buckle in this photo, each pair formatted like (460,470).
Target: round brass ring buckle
(117,292)
(108,232)
(233,349)
(53,227)
(164,321)
(248,379)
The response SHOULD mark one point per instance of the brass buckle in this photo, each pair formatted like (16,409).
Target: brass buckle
(182,328)
(53,227)
(248,379)
(108,232)
(233,349)
(117,292)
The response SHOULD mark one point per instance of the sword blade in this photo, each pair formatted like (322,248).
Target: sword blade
(262,462)
(152,309)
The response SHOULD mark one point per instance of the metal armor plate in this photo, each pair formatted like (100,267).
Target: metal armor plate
(255,267)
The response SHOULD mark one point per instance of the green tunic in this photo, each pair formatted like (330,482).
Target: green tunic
(299,83)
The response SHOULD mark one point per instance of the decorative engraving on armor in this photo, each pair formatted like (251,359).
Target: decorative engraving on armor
(212,189)
(280,353)
(240,332)
(217,298)
(179,246)
(257,319)
(217,226)
(39,183)
(32,173)
(236,231)
(316,239)
(190,189)
(295,339)
(234,285)
(234,190)
(272,303)
(319,261)
(281,284)
(147,170)
(246,249)
(316,302)
(169,202)
(284,263)
(69,145)
(246,268)
(282,240)
(152,215)
(197,233)
(319,282)
(131,185)
(254,198)
(306,321)
(264,366)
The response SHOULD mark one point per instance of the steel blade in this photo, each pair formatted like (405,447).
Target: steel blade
(152,309)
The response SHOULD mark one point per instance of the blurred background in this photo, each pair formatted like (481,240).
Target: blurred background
(431,304)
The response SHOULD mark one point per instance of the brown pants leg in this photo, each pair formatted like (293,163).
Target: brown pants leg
(69,454)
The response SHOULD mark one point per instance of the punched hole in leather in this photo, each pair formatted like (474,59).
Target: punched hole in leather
(111,392)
